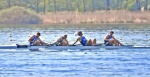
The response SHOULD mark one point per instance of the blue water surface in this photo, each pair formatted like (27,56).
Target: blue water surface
(76,63)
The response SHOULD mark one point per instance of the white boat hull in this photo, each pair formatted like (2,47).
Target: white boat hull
(72,47)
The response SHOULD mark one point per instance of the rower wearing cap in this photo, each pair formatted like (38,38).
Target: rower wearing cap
(62,41)
(84,41)
(110,40)
(35,40)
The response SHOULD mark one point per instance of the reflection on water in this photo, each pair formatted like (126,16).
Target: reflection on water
(76,63)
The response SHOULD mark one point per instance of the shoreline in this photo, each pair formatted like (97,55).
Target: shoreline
(67,25)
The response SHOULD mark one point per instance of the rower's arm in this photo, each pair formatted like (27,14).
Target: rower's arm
(67,42)
(76,41)
(41,40)
(58,39)
(106,38)
(30,40)
(114,38)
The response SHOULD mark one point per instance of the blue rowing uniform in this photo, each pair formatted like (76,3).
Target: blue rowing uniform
(83,41)
(106,42)
(33,40)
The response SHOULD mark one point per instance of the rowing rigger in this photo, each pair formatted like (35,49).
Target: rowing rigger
(71,47)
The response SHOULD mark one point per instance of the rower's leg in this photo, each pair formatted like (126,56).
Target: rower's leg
(89,42)
(36,43)
(116,43)
(94,42)
(111,42)
(119,42)
(64,43)
(41,43)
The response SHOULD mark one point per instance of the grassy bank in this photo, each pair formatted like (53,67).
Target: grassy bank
(99,17)
(19,15)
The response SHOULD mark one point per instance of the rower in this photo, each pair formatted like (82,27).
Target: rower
(62,41)
(110,40)
(84,41)
(35,40)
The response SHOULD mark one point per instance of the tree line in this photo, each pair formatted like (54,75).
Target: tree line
(77,5)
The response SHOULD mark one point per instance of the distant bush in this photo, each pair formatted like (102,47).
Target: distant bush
(19,15)
(120,21)
(129,21)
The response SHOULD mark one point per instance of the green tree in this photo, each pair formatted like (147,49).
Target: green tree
(76,5)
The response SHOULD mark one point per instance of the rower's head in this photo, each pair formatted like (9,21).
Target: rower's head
(111,32)
(65,36)
(38,34)
(80,33)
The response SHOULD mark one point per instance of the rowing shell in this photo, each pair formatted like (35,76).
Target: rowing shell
(70,47)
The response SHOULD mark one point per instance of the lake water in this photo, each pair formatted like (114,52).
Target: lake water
(75,63)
